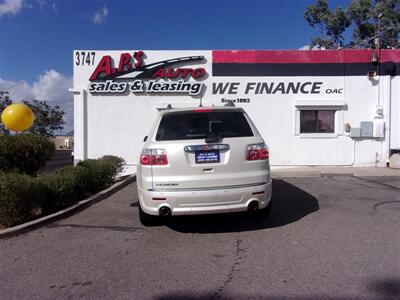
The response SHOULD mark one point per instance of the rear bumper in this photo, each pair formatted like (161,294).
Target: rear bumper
(213,201)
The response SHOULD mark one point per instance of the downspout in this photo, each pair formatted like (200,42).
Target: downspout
(388,114)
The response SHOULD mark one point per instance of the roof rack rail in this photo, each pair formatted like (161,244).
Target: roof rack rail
(230,103)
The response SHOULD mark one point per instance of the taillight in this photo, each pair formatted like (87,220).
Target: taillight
(151,157)
(257,152)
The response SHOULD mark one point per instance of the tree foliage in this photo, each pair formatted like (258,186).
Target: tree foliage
(331,23)
(48,119)
(367,18)
(5,101)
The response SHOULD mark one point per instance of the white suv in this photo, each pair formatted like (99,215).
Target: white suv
(203,160)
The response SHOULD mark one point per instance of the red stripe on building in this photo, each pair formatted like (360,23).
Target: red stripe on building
(303,56)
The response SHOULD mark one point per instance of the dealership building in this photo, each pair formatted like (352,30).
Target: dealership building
(313,108)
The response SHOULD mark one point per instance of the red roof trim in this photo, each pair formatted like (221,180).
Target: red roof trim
(302,56)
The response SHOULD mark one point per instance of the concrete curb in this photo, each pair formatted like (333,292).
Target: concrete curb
(12,231)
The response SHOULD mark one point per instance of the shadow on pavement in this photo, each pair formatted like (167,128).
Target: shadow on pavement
(236,296)
(378,289)
(289,204)
(386,288)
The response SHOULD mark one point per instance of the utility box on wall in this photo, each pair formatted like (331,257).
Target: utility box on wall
(367,128)
(355,132)
(379,128)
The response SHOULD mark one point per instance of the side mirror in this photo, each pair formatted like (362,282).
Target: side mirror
(145,138)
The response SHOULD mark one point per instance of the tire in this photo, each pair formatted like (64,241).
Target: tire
(146,219)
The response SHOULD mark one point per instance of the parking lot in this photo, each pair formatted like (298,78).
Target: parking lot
(61,158)
(328,237)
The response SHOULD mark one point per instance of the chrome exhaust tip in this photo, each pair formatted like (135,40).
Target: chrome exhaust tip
(253,205)
(165,211)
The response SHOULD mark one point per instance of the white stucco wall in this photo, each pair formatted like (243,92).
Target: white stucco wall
(116,124)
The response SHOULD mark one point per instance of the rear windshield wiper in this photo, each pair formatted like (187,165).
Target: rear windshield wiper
(213,138)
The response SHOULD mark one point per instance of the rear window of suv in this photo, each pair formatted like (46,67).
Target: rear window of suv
(200,125)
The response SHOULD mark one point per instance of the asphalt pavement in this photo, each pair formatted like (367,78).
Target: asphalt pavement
(328,237)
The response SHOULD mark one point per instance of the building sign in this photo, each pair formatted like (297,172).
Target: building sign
(134,76)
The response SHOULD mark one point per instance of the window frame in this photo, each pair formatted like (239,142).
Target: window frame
(316,118)
(338,106)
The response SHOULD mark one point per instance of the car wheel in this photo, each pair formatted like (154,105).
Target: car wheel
(146,219)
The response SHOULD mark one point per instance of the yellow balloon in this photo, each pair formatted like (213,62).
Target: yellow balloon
(17,117)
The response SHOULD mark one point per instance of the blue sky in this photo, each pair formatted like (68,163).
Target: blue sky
(38,36)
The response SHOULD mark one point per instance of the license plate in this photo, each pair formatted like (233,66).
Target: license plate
(203,157)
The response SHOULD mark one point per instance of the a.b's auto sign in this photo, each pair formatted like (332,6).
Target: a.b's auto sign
(134,75)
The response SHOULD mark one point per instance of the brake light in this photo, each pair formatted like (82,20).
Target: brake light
(203,110)
(153,157)
(257,152)
(145,159)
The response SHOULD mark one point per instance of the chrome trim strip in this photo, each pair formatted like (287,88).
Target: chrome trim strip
(205,147)
(199,189)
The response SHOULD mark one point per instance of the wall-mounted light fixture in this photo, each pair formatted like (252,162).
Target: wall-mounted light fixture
(371,74)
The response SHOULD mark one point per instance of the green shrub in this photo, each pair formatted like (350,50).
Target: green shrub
(24,153)
(20,196)
(65,186)
(23,197)
(118,161)
(101,173)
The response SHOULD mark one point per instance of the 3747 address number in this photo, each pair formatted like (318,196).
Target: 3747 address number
(83,58)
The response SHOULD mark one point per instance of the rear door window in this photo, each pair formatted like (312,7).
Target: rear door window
(200,125)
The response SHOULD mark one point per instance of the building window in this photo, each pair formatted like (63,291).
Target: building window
(317,121)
